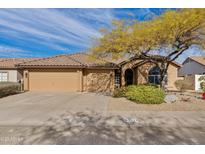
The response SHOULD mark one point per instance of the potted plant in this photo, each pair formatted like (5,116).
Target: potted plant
(202,85)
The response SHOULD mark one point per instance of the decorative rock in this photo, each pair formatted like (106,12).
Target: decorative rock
(170,98)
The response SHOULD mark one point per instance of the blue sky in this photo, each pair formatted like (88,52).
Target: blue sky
(48,32)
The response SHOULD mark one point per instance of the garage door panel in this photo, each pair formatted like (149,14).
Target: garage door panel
(54,81)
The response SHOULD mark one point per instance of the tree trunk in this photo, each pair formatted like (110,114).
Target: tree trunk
(163,73)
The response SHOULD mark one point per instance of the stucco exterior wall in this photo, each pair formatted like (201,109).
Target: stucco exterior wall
(191,68)
(141,73)
(98,80)
(19,75)
(172,73)
(25,80)
(12,75)
(126,66)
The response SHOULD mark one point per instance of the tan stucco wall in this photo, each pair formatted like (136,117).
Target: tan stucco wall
(92,80)
(141,74)
(126,66)
(98,80)
(53,80)
(172,73)
(25,80)
(12,75)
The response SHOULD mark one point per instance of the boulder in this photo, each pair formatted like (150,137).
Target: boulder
(170,98)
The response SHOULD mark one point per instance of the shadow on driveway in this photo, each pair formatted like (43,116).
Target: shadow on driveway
(93,128)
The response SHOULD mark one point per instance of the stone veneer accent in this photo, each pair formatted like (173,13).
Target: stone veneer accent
(98,80)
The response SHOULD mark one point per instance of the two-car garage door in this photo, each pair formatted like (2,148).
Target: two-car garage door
(54,80)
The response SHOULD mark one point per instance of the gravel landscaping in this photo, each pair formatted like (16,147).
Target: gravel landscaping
(186,102)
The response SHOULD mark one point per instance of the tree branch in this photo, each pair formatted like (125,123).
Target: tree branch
(180,52)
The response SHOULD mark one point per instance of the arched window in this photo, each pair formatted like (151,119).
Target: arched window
(154,75)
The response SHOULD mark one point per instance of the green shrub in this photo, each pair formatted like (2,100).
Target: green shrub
(9,90)
(119,92)
(151,84)
(145,94)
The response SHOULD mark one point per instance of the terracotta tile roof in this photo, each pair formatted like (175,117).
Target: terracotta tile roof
(88,60)
(1,59)
(117,61)
(125,60)
(81,60)
(12,62)
(199,59)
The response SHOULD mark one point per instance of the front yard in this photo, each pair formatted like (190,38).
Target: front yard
(186,101)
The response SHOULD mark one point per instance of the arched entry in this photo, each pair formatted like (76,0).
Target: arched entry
(128,77)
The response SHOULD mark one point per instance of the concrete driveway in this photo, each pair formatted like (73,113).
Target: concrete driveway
(33,108)
(68,118)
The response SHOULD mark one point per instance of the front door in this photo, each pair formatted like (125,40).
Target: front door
(128,77)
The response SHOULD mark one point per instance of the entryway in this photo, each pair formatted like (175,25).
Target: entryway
(128,77)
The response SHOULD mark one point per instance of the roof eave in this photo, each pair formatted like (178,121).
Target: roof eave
(88,67)
(13,68)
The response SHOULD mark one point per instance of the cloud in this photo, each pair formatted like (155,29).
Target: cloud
(7,51)
(53,27)
(45,32)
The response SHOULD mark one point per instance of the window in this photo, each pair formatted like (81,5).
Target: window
(3,76)
(117,79)
(154,75)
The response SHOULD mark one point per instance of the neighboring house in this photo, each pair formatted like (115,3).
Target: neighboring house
(82,72)
(193,65)
(8,70)
(192,68)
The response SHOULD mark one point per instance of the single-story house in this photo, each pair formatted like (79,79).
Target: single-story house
(192,68)
(83,72)
(9,71)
